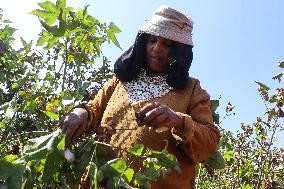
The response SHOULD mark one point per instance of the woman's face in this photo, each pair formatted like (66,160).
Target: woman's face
(157,54)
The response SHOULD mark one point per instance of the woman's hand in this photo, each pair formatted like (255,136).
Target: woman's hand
(158,115)
(74,124)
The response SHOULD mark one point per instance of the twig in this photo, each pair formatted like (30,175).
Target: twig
(265,159)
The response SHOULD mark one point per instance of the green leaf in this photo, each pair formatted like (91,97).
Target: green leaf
(26,46)
(43,38)
(51,166)
(228,155)
(114,28)
(15,181)
(216,117)
(12,171)
(216,161)
(93,174)
(54,30)
(262,86)
(15,85)
(111,36)
(2,125)
(129,174)
(278,77)
(7,166)
(35,155)
(140,178)
(50,6)
(24,43)
(62,22)
(214,105)
(51,42)
(39,147)
(247,186)
(119,165)
(137,149)
(60,4)
(273,99)
(151,173)
(40,13)
(49,18)
(61,144)
(22,93)
(165,159)
(281,64)
(6,32)
(52,115)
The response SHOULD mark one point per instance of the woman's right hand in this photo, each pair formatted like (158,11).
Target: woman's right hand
(74,124)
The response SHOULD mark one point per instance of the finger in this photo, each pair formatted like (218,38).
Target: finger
(148,108)
(159,120)
(79,132)
(70,131)
(60,123)
(67,141)
(152,114)
(64,124)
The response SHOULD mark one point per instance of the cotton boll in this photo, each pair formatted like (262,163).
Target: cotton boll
(69,155)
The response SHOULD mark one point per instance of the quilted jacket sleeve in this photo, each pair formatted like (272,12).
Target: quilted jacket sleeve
(97,106)
(199,136)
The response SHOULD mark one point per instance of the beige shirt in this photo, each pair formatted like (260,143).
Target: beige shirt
(197,140)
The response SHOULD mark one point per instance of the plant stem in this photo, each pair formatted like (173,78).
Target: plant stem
(65,65)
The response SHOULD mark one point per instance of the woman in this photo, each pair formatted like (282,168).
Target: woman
(151,82)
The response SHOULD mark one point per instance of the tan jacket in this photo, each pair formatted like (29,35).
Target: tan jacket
(199,136)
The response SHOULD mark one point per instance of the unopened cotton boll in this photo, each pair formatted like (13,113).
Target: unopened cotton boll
(69,155)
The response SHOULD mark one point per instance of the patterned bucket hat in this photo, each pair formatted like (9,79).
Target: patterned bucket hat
(170,24)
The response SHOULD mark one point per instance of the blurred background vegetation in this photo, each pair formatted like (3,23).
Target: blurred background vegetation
(46,77)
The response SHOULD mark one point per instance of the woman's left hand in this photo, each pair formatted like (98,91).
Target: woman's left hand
(158,115)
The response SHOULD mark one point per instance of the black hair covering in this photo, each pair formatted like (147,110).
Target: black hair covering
(129,64)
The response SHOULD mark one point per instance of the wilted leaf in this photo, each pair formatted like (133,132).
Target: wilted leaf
(229,107)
